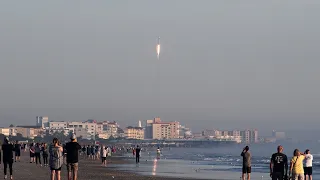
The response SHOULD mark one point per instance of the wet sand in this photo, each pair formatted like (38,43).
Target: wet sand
(88,170)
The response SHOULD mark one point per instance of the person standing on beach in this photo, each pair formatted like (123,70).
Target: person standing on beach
(56,159)
(98,152)
(45,154)
(296,165)
(17,151)
(279,165)
(32,153)
(158,153)
(308,165)
(7,149)
(72,149)
(138,150)
(93,152)
(88,151)
(0,152)
(104,153)
(246,164)
(134,152)
(37,151)
(109,152)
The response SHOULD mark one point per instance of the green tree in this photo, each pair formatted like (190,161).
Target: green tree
(38,139)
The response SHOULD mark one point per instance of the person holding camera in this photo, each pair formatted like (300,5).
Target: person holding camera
(279,165)
(308,165)
(296,165)
(56,159)
(246,164)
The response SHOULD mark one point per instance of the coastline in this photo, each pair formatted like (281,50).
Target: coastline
(88,170)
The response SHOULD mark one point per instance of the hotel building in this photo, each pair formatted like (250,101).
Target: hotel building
(134,132)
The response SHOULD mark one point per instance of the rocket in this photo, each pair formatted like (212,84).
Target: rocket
(158,48)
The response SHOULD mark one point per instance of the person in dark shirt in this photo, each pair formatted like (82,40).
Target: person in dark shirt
(279,165)
(45,154)
(7,150)
(138,150)
(93,151)
(246,164)
(88,152)
(17,151)
(72,150)
(37,153)
(32,153)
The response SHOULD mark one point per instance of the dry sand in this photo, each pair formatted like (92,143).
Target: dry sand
(88,170)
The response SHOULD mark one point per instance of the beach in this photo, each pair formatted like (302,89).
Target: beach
(88,170)
(219,163)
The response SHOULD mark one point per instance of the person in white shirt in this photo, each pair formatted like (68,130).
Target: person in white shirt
(158,153)
(104,153)
(308,165)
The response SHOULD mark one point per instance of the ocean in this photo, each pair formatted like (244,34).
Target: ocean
(216,162)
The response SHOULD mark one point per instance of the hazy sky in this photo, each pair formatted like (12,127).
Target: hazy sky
(223,64)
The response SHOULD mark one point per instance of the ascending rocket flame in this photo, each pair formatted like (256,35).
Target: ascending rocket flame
(158,48)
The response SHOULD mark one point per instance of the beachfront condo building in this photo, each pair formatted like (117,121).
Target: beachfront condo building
(156,129)
(249,136)
(53,125)
(246,136)
(87,130)
(106,129)
(134,132)
(165,130)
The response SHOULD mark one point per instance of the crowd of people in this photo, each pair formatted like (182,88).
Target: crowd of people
(56,154)
(53,156)
(300,167)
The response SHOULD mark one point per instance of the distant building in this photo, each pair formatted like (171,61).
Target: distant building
(42,121)
(156,129)
(213,133)
(57,125)
(83,133)
(134,132)
(29,131)
(139,124)
(235,133)
(184,132)
(121,132)
(197,135)
(208,132)
(148,129)
(278,135)
(249,136)
(5,131)
(165,130)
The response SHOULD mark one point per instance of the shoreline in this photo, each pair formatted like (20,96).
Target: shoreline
(88,170)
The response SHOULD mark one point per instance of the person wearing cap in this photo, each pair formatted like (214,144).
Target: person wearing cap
(246,164)
(72,150)
(7,150)
(279,165)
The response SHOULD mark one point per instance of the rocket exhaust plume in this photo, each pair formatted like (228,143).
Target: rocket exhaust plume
(158,48)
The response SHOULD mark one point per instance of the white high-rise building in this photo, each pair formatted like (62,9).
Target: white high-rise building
(139,124)
(42,121)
